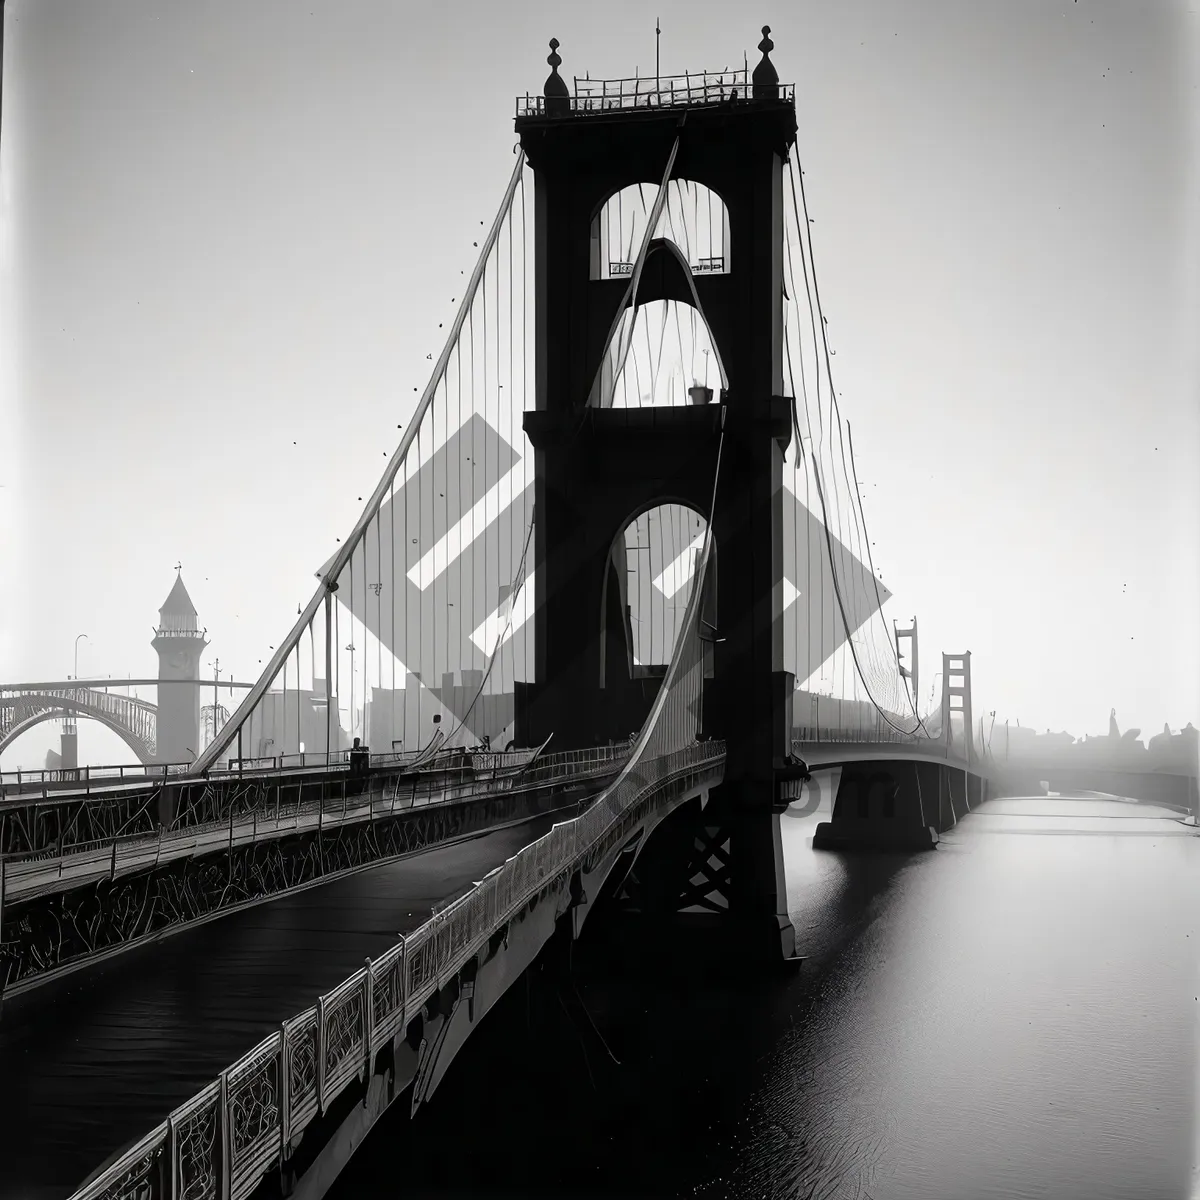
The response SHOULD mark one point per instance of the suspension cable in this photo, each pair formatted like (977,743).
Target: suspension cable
(812,287)
(255,694)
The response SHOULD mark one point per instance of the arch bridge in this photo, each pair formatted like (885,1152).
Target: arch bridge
(133,720)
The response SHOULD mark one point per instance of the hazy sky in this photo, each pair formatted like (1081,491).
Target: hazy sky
(228,227)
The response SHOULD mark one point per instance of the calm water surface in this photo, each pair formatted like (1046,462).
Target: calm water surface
(1014,1015)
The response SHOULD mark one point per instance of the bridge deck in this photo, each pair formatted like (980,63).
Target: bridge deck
(836,754)
(385,794)
(39,875)
(92,1061)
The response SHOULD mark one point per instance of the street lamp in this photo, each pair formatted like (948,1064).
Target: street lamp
(69,726)
(77,637)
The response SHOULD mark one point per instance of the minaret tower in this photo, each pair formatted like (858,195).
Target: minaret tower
(180,644)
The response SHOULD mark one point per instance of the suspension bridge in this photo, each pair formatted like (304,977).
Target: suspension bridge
(609,607)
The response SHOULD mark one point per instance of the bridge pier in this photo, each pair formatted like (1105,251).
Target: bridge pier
(897,806)
(168,805)
(975,792)
(710,883)
(69,747)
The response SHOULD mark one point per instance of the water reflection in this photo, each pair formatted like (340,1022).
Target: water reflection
(1016,1017)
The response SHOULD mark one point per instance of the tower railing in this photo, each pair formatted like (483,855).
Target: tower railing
(705,89)
(177,629)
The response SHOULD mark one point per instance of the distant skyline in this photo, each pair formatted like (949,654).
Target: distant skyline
(229,237)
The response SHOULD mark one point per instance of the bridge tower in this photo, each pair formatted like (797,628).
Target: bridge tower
(913,675)
(597,468)
(956,699)
(180,644)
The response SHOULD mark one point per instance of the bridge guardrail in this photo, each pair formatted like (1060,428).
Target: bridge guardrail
(221,1141)
(701,90)
(20,781)
(123,853)
(878,732)
(547,767)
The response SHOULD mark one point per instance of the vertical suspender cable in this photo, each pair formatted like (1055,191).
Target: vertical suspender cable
(218,745)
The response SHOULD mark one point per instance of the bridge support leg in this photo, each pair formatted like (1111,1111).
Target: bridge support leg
(974,792)
(891,806)
(168,806)
(711,881)
(956,793)
(755,883)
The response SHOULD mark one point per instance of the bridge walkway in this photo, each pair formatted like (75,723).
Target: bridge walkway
(384,795)
(91,1061)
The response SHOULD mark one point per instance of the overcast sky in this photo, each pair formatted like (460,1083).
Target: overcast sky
(228,227)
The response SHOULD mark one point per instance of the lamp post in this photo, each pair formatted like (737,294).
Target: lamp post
(69,727)
(77,637)
(945,718)
(350,647)
(68,718)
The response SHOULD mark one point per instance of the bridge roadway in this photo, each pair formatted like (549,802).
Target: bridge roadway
(92,1061)
(1169,784)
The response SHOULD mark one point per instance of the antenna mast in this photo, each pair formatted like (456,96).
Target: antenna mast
(657,39)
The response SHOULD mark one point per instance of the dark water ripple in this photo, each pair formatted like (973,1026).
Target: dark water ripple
(1012,1017)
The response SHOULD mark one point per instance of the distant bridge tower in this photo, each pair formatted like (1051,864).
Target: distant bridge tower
(913,675)
(179,643)
(597,467)
(956,698)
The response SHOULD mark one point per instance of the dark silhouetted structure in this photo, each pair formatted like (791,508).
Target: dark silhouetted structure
(598,468)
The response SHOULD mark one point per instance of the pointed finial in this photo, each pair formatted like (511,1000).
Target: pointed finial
(558,95)
(766,78)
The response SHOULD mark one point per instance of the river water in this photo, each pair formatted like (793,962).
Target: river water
(1013,1015)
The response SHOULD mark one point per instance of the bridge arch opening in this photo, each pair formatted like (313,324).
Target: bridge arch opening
(694,218)
(648,581)
(34,744)
(662,355)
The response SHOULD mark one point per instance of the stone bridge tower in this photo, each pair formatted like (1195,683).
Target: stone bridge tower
(596,468)
(180,644)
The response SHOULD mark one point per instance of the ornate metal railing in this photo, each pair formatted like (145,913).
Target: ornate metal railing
(55,865)
(99,776)
(106,777)
(705,89)
(866,732)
